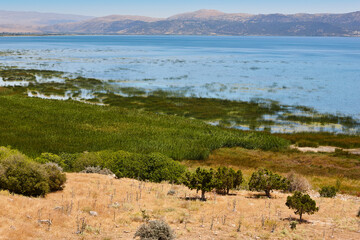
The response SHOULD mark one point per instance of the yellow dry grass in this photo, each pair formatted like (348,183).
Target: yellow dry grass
(120,202)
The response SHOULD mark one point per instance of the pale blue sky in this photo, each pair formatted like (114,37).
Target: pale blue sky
(165,8)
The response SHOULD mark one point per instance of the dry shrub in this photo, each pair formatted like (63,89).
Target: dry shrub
(98,170)
(298,183)
(155,230)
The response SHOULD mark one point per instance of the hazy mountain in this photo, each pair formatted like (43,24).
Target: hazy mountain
(203,22)
(11,21)
(102,25)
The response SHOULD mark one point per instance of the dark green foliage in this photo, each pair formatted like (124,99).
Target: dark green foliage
(324,139)
(68,159)
(328,191)
(35,126)
(307,143)
(154,167)
(155,230)
(302,203)
(56,178)
(21,176)
(293,225)
(226,179)
(201,180)
(265,180)
(51,158)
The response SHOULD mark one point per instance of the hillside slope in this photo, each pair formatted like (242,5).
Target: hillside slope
(122,204)
(212,22)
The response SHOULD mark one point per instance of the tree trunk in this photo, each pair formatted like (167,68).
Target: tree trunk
(227,191)
(300,216)
(267,192)
(203,195)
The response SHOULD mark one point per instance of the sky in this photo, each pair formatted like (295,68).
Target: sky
(166,8)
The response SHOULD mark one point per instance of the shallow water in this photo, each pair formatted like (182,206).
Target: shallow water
(323,73)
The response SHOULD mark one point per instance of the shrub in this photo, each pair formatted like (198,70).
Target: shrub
(98,170)
(85,160)
(69,159)
(293,225)
(307,143)
(341,153)
(298,183)
(265,180)
(155,230)
(328,191)
(21,176)
(155,167)
(56,178)
(50,157)
(302,203)
(226,179)
(201,180)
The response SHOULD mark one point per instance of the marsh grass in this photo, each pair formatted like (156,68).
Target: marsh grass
(324,139)
(256,115)
(35,125)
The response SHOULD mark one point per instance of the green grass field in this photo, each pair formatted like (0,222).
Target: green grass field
(34,125)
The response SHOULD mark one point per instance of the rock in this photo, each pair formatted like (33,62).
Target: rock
(171,192)
(93,213)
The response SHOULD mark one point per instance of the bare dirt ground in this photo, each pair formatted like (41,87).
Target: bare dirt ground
(325,149)
(123,204)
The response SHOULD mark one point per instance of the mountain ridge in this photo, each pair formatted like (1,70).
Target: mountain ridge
(211,22)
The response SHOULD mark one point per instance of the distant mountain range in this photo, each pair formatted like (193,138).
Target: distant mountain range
(202,22)
(30,22)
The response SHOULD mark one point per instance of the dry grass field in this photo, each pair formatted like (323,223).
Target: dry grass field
(124,204)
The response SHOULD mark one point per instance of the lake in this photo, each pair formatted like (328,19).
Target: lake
(322,73)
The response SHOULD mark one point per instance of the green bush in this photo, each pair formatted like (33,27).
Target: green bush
(50,158)
(69,160)
(265,180)
(56,177)
(302,203)
(307,143)
(226,179)
(328,191)
(154,167)
(21,176)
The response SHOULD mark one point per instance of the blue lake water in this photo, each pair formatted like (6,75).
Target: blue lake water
(323,73)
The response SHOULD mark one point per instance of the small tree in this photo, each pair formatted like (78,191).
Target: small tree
(302,203)
(201,180)
(265,180)
(226,179)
